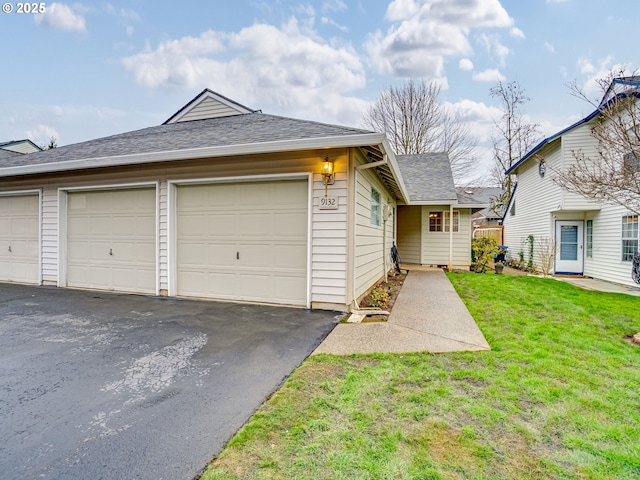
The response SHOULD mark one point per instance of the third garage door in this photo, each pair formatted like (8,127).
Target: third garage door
(243,241)
(19,238)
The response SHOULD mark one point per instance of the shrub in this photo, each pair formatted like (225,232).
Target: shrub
(380,296)
(483,250)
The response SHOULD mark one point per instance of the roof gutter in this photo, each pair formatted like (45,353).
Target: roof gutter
(358,140)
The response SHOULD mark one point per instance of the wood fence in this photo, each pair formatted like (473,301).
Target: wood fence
(495,232)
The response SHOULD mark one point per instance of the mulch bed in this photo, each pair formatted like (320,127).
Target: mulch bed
(393,286)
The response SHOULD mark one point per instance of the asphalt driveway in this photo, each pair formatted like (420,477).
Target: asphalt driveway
(101,386)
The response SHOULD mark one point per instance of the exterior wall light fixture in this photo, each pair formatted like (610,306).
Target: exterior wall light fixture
(327,174)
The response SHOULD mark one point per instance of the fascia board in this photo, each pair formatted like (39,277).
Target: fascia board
(395,170)
(196,153)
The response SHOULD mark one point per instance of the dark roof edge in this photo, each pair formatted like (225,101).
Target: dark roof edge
(550,139)
(511,200)
(605,103)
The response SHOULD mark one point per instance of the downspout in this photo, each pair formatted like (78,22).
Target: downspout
(450,237)
(384,240)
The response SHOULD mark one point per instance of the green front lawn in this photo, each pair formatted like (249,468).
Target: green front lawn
(557,397)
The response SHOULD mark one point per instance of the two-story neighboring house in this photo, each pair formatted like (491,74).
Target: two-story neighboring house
(593,239)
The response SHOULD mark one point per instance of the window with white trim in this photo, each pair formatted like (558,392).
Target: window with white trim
(629,237)
(375,207)
(439,221)
(589,238)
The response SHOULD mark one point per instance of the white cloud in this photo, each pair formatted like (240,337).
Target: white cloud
(489,75)
(62,17)
(424,32)
(126,17)
(585,65)
(515,32)
(550,47)
(277,69)
(598,72)
(465,64)
(42,134)
(492,44)
(334,6)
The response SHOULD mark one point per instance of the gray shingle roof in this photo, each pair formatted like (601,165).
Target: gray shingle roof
(249,128)
(428,177)
(478,195)
(7,153)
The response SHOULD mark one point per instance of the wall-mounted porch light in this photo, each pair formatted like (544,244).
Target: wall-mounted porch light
(327,174)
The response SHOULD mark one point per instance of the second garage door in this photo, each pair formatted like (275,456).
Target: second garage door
(243,241)
(111,240)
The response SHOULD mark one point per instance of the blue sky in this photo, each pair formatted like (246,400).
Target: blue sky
(91,69)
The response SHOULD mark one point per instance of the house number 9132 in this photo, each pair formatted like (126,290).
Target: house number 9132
(328,203)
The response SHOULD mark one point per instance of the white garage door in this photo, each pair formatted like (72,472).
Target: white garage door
(243,241)
(19,238)
(111,240)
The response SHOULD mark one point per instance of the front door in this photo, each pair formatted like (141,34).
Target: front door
(569,242)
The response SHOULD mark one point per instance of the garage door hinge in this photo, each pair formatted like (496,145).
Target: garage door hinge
(237,255)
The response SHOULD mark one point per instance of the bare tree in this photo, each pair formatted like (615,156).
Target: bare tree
(514,136)
(547,249)
(612,175)
(416,122)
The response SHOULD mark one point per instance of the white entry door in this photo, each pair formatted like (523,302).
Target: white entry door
(569,243)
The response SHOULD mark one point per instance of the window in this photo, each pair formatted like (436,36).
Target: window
(589,238)
(629,237)
(439,221)
(375,207)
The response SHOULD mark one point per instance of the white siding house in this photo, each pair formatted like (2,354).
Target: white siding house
(589,236)
(219,202)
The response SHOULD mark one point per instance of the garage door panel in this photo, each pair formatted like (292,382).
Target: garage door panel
(253,225)
(293,224)
(289,190)
(111,240)
(289,288)
(192,223)
(192,253)
(224,196)
(221,225)
(223,255)
(250,224)
(255,194)
(256,256)
(255,287)
(290,256)
(19,238)
(98,226)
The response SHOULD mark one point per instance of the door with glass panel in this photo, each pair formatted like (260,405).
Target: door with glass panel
(569,244)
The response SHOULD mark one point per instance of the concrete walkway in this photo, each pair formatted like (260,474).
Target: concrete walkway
(428,315)
(600,285)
